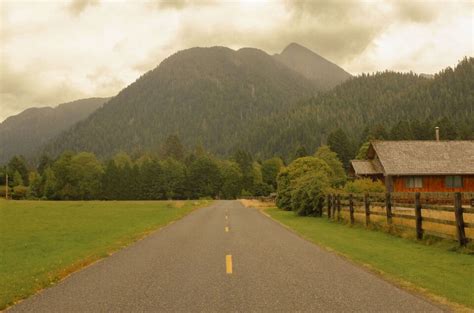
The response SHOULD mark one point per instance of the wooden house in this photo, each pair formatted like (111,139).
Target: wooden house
(419,166)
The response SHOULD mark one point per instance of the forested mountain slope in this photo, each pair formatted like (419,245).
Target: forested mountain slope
(386,105)
(323,73)
(25,132)
(228,100)
(203,95)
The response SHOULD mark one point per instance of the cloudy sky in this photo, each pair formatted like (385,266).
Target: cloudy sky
(58,51)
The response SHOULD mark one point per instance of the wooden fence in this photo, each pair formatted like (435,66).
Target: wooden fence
(425,212)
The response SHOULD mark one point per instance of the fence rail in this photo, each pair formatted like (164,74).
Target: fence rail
(408,206)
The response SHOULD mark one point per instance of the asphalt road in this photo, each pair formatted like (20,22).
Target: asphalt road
(186,267)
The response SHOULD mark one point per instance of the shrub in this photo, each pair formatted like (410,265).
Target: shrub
(307,196)
(19,192)
(246,194)
(338,176)
(302,185)
(262,189)
(305,165)
(2,191)
(364,185)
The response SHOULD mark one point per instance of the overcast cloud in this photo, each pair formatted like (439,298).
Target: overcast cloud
(58,51)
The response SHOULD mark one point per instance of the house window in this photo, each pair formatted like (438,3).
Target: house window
(414,182)
(453,182)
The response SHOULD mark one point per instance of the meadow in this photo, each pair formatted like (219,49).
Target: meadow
(42,242)
(437,269)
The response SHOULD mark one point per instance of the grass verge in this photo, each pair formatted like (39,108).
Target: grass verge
(42,242)
(437,270)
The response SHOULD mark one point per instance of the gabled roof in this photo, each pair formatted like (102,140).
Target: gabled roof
(365,167)
(424,157)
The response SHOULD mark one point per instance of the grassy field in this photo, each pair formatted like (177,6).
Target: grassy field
(42,241)
(437,268)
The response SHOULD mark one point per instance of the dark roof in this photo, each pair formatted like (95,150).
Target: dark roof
(423,157)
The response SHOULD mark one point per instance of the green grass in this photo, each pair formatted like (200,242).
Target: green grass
(438,269)
(43,241)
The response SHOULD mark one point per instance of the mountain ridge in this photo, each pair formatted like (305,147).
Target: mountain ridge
(324,73)
(204,95)
(28,130)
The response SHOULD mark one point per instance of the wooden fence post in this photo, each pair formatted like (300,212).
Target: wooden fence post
(351,208)
(388,207)
(419,230)
(338,201)
(329,205)
(458,213)
(367,209)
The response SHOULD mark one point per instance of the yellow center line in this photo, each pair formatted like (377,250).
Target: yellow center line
(228,264)
(226,229)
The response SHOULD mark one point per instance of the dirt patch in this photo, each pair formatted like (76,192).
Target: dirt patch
(258,204)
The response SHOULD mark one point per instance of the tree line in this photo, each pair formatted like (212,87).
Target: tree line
(171,174)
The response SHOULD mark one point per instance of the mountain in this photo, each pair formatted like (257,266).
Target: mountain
(25,132)
(323,73)
(226,100)
(205,96)
(385,105)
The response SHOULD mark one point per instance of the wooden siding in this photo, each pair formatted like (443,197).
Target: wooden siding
(433,184)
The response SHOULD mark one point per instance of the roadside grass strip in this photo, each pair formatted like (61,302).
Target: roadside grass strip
(42,242)
(438,270)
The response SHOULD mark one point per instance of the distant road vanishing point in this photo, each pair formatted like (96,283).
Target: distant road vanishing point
(224,258)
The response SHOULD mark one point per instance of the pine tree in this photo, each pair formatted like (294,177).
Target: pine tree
(270,170)
(362,154)
(231,176)
(110,182)
(36,186)
(379,132)
(338,176)
(174,175)
(172,148)
(301,152)
(447,130)
(151,180)
(339,143)
(18,164)
(17,179)
(401,131)
(44,162)
(245,161)
(204,178)
(50,184)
